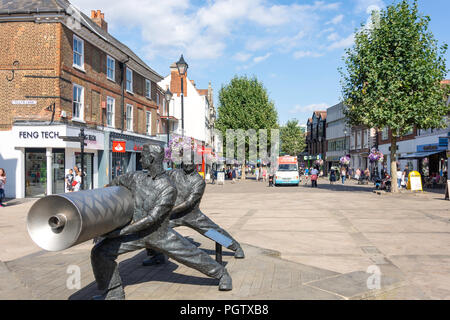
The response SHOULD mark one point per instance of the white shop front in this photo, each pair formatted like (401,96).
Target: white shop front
(37,160)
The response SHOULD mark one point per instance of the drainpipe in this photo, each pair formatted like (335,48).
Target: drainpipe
(123,84)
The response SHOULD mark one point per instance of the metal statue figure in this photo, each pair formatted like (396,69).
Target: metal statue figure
(154,198)
(190,186)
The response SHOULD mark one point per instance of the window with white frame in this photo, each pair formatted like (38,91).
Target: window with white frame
(129,80)
(78,102)
(78,52)
(385,133)
(149,122)
(157,99)
(148,89)
(164,107)
(110,68)
(157,126)
(110,107)
(129,117)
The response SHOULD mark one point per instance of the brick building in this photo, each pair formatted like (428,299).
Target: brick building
(316,137)
(61,71)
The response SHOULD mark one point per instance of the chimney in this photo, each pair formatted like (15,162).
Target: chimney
(99,18)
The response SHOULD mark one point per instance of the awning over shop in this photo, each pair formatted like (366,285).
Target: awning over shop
(420,155)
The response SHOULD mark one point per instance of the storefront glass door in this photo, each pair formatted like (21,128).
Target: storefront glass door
(88,169)
(35,173)
(120,163)
(58,171)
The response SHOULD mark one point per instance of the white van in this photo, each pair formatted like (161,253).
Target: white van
(287,171)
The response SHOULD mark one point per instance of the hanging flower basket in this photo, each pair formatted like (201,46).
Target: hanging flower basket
(345,161)
(318,162)
(376,156)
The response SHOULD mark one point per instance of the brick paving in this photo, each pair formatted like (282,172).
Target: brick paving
(300,243)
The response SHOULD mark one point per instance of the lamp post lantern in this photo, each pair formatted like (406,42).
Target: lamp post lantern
(182,68)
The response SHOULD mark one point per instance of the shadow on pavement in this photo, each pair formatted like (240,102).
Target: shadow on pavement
(133,272)
(340,187)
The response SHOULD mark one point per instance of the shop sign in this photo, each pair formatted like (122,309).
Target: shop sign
(138,147)
(415,181)
(41,134)
(119,146)
(431,147)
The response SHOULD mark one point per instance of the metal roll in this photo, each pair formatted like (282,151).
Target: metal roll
(58,222)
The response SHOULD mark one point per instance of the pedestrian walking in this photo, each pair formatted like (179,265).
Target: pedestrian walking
(264,174)
(77,182)
(343,174)
(2,186)
(357,174)
(314,177)
(69,181)
(399,177)
(332,176)
(257,174)
(233,175)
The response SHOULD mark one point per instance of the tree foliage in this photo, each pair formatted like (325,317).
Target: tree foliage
(244,104)
(393,74)
(292,138)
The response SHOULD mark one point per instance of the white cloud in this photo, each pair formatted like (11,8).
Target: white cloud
(242,56)
(365,5)
(306,54)
(336,20)
(310,108)
(261,58)
(343,43)
(202,31)
(333,36)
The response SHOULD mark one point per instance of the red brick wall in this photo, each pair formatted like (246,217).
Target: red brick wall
(33,46)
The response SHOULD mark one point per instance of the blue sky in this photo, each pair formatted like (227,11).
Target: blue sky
(293,47)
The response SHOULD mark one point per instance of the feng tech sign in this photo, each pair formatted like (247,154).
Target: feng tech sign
(38,135)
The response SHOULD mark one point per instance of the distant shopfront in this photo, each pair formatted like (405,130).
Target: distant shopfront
(42,159)
(126,152)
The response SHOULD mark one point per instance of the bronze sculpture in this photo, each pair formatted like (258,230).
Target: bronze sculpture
(154,198)
(190,186)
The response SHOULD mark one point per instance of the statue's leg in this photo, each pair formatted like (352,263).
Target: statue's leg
(105,268)
(198,221)
(182,250)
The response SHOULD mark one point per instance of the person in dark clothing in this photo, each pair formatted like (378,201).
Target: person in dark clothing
(154,198)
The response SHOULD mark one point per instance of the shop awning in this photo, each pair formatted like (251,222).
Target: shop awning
(420,155)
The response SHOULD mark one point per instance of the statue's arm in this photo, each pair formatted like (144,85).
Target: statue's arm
(196,195)
(163,207)
(124,180)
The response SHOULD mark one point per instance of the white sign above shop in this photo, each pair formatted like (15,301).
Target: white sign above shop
(49,137)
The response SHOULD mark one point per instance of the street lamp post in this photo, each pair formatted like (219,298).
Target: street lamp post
(182,68)
(168,96)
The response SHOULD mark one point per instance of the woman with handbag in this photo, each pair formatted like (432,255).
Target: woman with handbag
(2,186)
(314,177)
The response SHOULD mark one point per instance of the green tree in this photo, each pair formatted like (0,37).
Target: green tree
(393,75)
(292,138)
(244,104)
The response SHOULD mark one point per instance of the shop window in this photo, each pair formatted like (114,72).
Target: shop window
(110,106)
(88,169)
(58,167)
(78,52)
(35,173)
(78,101)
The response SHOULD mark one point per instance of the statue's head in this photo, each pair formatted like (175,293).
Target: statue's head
(189,165)
(152,156)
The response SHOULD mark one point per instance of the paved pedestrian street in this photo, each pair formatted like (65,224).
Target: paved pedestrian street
(333,242)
